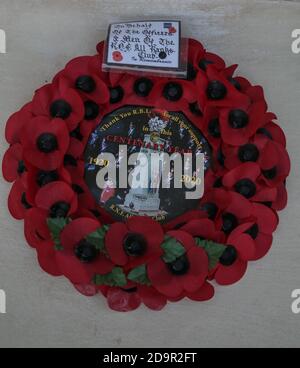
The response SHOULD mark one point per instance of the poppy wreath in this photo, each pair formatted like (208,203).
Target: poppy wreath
(141,261)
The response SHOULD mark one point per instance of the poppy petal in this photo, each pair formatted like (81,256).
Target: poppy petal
(206,292)
(35,227)
(245,246)
(263,245)
(77,230)
(149,228)
(122,301)
(228,275)
(16,205)
(183,238)
(267,219)
(54,192)
(47,258)
(114,243)
(86,289)
(10,162)
(158,272)
(151,298)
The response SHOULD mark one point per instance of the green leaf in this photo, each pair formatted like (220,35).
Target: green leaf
(56,226)
(172,249)
(97,237)
(115,278)
(58,247)
(139,275)
(213,250)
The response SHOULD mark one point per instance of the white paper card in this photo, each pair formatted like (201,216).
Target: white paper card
(144,44)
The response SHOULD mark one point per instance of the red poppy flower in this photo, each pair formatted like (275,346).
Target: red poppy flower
(238,124)
(35,226)
(244,180)
(15,123)
(100,48)
(211,127)
(266,221)
(233,263)
(205,293)
(85,131)
(69,260)
(37,178)
(181,220)
(87,289)
(94,113)
(214,202)
(217,164)
(137,89)
(111,79)
(195,114)
(212,180)
(195,51)
(229,71)
(59,101)
(204,228)
(17,201)
(214,90)
(200,58)
(231,211)
(193,269)
(46,255)
(82,74)
(281,199)
(236,212)
(243,83)
(45,142)
(85,197)
(173,95)
(274,161)
(75,148)
(268,154)
(13,165)
(105,74)
(235,155)
(58,198)
(256,93)
(274,132)
(135,242)
(132,296)
(76,171)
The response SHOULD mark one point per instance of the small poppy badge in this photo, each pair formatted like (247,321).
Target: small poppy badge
(117,56)
(172,30)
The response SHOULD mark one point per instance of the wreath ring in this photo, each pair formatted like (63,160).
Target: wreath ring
(140,260)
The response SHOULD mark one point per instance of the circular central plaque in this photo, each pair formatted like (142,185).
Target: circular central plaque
(156,152)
